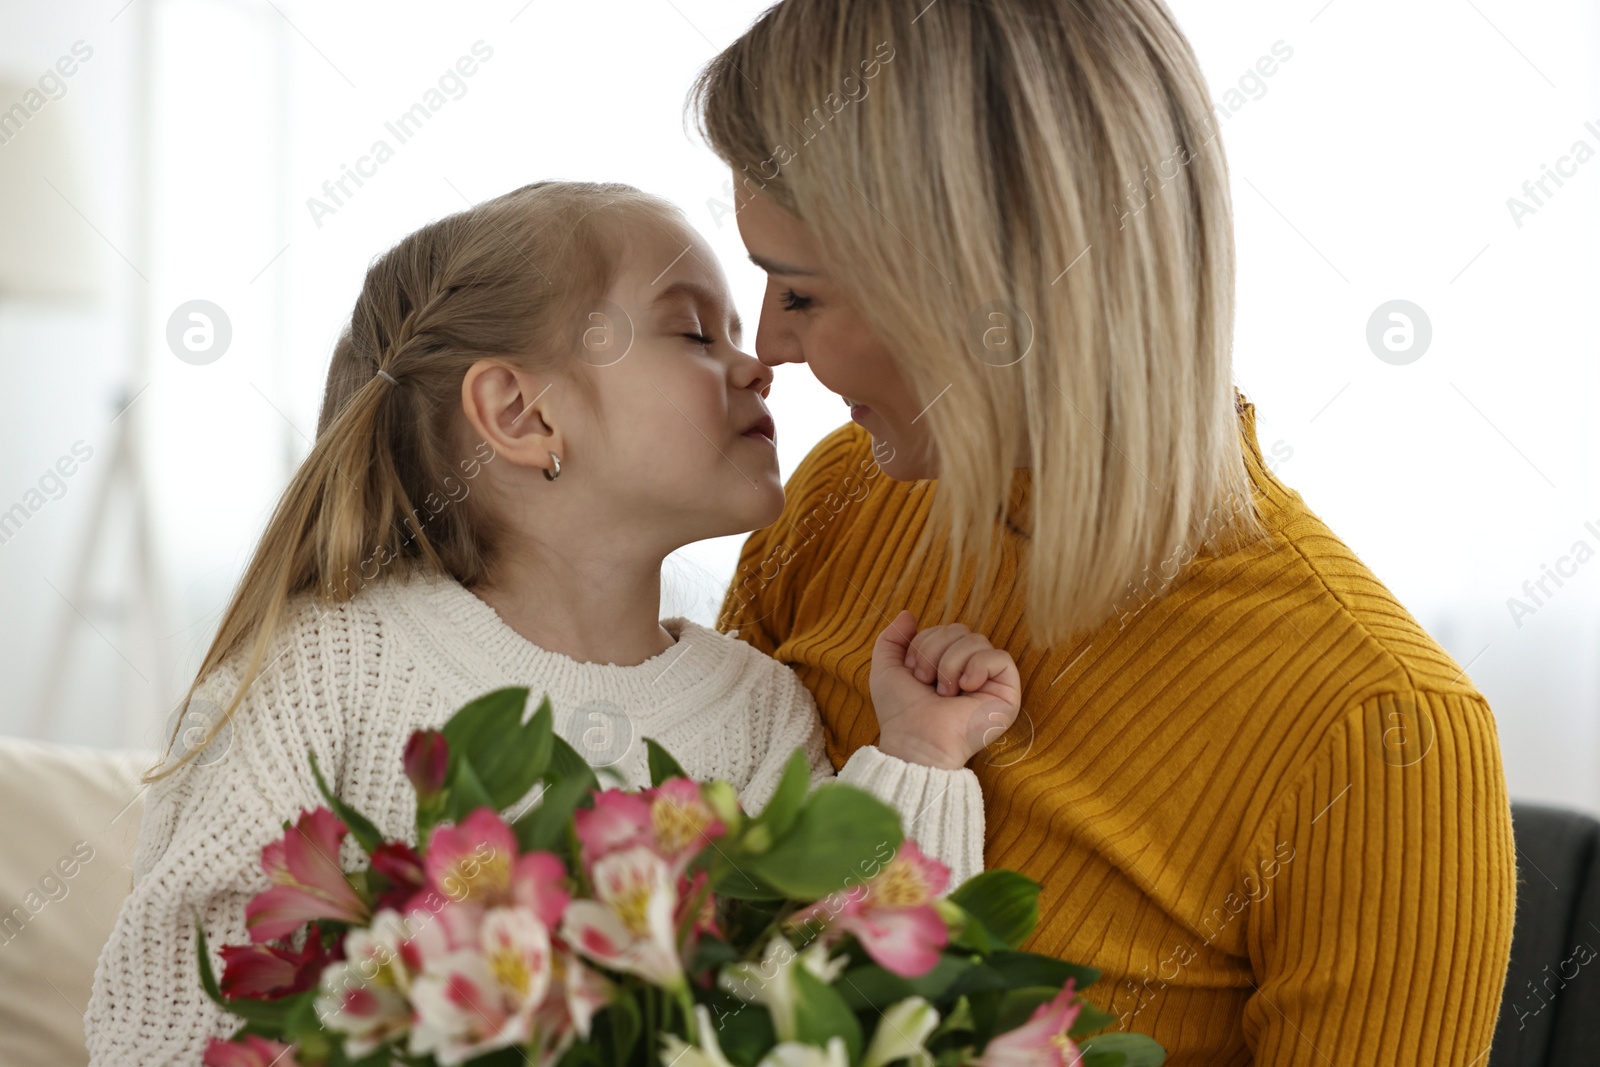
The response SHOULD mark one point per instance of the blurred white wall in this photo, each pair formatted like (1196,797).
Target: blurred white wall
(1373,149)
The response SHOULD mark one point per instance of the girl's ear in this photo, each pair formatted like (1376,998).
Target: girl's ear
(511,410)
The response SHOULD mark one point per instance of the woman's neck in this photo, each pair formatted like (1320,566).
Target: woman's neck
(594,610)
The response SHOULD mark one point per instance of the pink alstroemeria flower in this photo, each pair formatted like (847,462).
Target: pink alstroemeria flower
(673,820)
(308,883)
(398,862)
(476,862)
(1042,1041)
(618,821)
(249,1051)
(894,919)
(628,926)
(682,820)
(270,972)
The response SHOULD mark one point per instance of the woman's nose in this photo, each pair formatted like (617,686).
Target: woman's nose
(776,344)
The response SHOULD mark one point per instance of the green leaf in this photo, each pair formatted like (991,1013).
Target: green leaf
(1090,1019)
(662,765)
(840,831)
(1017,1005)
(820,1013)
(566,763)
(626,1023)
(984,1003)
(507,754)
(582,1054)
(545,827)
(743,1030)
(732,876)
(711,952)
(779,814)
(466,792)
(208,978)
(1006,902)
(981,978)
(1031,968)
(361,827)
(972,934)
(1138,1050)
(1103,1058)
(956,1019)
(872,986)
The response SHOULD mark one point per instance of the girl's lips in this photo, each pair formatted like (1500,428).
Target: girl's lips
(859,411)
(764,430)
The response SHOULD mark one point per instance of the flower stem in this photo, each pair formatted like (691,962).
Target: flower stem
(690,1023)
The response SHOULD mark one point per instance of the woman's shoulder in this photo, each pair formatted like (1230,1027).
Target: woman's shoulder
(1325,635)
(1318,594)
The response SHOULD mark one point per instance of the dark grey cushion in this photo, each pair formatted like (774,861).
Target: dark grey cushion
(1550,1010)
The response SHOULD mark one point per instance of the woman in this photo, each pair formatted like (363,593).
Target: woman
(1257,795)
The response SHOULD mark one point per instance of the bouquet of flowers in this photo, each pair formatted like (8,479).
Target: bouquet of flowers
(636,928)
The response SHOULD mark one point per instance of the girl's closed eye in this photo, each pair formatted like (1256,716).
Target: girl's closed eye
(700,339)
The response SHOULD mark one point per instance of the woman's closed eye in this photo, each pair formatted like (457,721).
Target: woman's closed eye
(793,301)
(699,338)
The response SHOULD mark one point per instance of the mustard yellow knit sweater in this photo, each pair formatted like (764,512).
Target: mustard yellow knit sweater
(1267,806)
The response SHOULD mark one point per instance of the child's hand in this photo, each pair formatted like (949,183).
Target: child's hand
(941,695)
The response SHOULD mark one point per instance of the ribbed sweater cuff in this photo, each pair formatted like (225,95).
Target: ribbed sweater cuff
(941,810)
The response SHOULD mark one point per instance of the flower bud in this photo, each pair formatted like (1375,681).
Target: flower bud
(722,800)
(427,760)
(757,839)
(954,916)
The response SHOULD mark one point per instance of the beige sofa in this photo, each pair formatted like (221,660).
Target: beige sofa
(69,821)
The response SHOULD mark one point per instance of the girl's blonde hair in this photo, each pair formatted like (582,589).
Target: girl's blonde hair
(519,278)
(1046,167)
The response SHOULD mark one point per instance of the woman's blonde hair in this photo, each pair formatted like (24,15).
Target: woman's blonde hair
(1045,167)
(518,277)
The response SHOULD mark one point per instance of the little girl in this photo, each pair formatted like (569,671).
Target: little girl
(536,401)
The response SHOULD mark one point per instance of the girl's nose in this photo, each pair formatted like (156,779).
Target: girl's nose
(752,373)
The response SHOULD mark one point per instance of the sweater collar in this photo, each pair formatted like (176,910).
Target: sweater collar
(478,639)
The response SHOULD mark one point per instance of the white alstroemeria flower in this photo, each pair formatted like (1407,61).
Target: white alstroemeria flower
(676,1051)
(364,995)
(900,1035)
(628,925)
(771,982)
(795,1054)
(483,998)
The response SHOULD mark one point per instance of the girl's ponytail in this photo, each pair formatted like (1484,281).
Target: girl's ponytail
(385,489)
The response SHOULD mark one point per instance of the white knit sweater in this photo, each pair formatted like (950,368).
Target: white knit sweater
(352,683)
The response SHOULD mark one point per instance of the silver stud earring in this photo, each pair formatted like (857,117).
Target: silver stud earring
(552,476)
